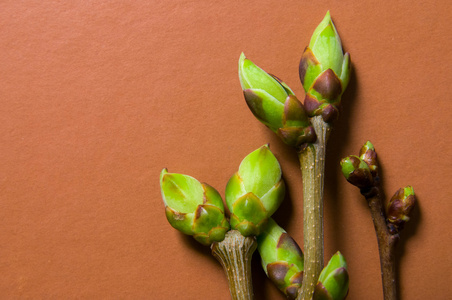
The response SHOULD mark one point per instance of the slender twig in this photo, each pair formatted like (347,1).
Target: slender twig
(312,164)
(386,242)
(235,253)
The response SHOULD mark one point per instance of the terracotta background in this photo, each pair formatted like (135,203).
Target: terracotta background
(98,96)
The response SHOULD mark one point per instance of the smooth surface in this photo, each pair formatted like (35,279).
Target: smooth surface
(97,97)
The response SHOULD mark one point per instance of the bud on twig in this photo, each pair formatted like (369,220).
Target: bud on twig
(368,154)
(357,171)
(274,104)
(282,259)
(324,71)
(255,192)
(333,281)
(193,208)
(399,209)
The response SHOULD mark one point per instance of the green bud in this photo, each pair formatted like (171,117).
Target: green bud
(282,258)
(324,71)
(399,209)
(368,154)
(193,208)
(255,192)
(356,171)
(333,280)
(274,104)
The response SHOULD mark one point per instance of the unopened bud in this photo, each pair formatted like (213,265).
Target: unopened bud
(356,171)
(399,208)
(324,71)
(274,104)
(333,280)
(282,258)
(255,192)
(368,154)
(193,208)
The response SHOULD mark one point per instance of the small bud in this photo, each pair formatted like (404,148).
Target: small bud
(193,208)
(399,209)
(368,154)
(282,259)
(274,104)
(356,171)
(324,71)
(333,280)
(255,192)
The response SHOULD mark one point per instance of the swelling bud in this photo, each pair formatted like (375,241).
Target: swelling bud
(324,71)
(357,171)
(255,192)
(274,104)
(367,153)
(282,259)
(193,208)
(399,209)
(333,280)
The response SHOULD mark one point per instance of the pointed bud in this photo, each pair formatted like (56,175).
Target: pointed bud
(356,171)
(274,104)
(368,154)
(399,208)
(324,71)
(193,208)
(255,192)
(333,280)
(282,259)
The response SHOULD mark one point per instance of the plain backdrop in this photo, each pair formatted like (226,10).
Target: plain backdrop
(98,96)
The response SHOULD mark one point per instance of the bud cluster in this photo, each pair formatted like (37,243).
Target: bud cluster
(362,172)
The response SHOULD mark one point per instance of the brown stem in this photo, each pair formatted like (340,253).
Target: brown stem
(386,243)
(235,253)
(312,164)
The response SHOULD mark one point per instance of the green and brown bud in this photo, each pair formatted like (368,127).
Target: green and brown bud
(282,259)
(368,154)
(399,209)
(193,208)
(274,104)
(357,171)
(324,71)
(255,192)
(333,280)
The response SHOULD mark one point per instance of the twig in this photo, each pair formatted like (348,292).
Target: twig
(386,242)
(312,164)
(235,253)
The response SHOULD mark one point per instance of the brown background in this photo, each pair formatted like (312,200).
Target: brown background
(98,96)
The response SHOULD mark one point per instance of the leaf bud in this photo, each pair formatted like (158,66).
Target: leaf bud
(274,104)
(255,192)
(282,259)
(193,208)
(399,209)
(333,280)
(324,71)
(356,171)
(368,154)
